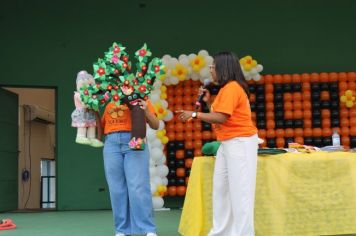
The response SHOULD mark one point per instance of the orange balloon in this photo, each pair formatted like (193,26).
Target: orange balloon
(333,77)
(268,79)
(306,96)
(353,131)
(343,86)
(197,144)
(270,115)
(252,98)
(307,123)
(287,97)
(297,96)
(280,142)
(344,122)
(172,191)
(186,180)
(187,91)
(262,133)
(325,113)
(299,140)
(170,100)
(253,115)
(342,76)
(308,132)
(289,133)
(307,114)
(326,123)
(206,135)
(270,133)
(324,77)
(188,135)
(352,85)
(269,106)
(287,79)
(279,133)
(188,144)
(314,77)
(307,105)
(178,100)
(288,115)
(188,107)
(171,135)
(270,124)
(317,132)
(306,87)
(197,153)
(180,172)
(269,89)
(352,112)
(345,140)
(288,106)
(305,77)
(296,78)
(180,154)
(188,126)
(298,132)
(188,162)
(269,97)
(352,121)
(178,91)
(178,127)
(327,132)
(345,131)
(170,126)
(277,79)
(325,96)
(344,113)
(297,105)
(179,136)
(197,126)
(297,114)
(351,76)
(181,190)
(197,135)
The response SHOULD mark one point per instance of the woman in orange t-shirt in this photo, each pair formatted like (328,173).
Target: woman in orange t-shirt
(127,171)
(236,160)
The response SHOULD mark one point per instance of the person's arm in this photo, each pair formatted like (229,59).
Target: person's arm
(152,120)
(211,117)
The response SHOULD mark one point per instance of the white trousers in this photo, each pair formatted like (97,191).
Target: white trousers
(234,185)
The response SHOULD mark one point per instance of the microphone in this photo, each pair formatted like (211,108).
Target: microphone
(201,96)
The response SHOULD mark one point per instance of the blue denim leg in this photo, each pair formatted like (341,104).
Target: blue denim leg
(127,174)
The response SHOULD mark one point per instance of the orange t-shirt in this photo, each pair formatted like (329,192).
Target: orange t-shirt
(118,118)
(232,100)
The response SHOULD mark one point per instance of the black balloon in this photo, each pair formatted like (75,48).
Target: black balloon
(278,97)
(334,104)
(287,88)
(298,123)
(271,143)
(252,89)
(260,115)
(324,86)
(297,87)
(171,163)
(325,104)
(278,106)
(172,181)
(180,181)
(279,124)
(171,146)
(288,124)
(317,141)
(315,96)
(260,89)
(315,86)
(288,140)
(278,88)
(327,141)
(171,154)
(316,105)
(253,106)
(261,124)
(260,98)
(171,173)
(334,86)
(261,107)
(187,172)
(189,153)
(335,123)
(279,114)
(353,142)
(316,123)
(179,163)
(316,114)
(308,141)
(206,126)
(179,145)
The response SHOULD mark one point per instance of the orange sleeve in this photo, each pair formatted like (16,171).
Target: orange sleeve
(228,99)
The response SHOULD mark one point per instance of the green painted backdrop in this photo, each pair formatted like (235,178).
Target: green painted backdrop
(45,43)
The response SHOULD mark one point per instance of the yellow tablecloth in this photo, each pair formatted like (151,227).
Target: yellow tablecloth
(296,194)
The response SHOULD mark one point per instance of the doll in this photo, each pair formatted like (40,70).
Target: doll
(82,117)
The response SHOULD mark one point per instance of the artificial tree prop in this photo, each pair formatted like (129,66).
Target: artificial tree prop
(116,82)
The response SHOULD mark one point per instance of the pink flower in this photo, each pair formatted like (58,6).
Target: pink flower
(115,59)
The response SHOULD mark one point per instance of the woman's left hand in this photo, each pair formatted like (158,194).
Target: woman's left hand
(142,104)
(184,115)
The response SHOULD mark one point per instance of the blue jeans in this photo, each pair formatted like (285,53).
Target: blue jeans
(127,174)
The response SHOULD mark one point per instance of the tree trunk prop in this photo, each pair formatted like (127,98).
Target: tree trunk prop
(138,128)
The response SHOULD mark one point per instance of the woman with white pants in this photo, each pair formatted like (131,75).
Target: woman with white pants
(234,180)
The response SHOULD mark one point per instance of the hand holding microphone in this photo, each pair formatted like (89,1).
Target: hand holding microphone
(204,94)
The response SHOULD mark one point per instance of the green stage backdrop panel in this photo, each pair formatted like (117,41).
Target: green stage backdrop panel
(45,43)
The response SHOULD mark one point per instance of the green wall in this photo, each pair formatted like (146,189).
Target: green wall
(45,43)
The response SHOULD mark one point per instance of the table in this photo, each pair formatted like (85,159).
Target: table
(296,194)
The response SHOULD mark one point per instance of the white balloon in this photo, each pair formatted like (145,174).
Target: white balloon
(150,134)
(154,171)
(153,188)
(156,143)
(253,71)
(204,72)
(209,60)
(157,84)
(162,171)
(165,181)
(156,180)
(256,77)
(164,103)
(157,202)
(169,116)
(184,60)
(154,97)
(161,125)
(259,68)
(174,80)
(166,58)
(191,56)
(161,161)
(172,63)
(156,153)
(167,81)
(195,76)
(203,53)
